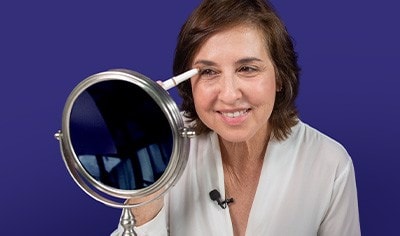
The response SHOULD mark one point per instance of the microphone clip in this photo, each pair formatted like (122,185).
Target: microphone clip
(216,196)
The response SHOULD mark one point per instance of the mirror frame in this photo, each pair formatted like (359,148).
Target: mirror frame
(180,136)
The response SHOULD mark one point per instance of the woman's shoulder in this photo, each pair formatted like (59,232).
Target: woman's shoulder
(313,143)
(315,136)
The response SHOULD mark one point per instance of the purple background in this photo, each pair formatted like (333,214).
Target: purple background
(348,50)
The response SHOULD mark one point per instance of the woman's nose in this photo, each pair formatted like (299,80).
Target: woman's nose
(229,89)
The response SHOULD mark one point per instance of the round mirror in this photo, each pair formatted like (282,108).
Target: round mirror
(122,136)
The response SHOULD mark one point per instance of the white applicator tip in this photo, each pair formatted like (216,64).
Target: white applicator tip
(174,81)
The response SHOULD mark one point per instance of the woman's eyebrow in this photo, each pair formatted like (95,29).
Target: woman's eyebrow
(240,61)
(205,62)
(248,60)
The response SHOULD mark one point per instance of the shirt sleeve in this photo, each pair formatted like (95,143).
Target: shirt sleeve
(157,226)
(342,217)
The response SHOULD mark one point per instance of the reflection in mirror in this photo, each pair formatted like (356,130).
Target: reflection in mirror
(120,135)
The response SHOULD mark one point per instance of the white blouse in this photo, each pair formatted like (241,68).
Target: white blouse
(307,187)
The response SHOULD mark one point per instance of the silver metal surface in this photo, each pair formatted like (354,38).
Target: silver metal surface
(127,222)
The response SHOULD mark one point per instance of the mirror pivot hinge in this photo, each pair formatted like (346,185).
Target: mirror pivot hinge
(58,135)
(188,132)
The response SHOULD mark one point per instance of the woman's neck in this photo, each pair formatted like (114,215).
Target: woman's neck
(239,155)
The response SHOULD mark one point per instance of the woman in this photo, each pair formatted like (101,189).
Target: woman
(285,177)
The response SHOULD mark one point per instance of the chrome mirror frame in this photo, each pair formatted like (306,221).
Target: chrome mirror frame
(180,134)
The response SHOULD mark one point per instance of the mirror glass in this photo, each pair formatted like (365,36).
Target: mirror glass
(120,135)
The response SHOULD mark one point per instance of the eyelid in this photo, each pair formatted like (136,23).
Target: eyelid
(252,68)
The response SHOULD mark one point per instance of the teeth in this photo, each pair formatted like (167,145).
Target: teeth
(234,114)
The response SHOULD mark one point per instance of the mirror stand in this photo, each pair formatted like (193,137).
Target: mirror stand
(127,221)
(123,137)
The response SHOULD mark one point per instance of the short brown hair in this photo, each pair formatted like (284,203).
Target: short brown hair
(213,16)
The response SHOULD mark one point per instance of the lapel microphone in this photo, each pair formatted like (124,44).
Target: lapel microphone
(216,196)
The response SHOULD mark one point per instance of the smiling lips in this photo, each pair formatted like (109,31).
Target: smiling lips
(234,114)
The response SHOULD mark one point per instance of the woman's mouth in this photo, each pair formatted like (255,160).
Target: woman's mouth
(235,114)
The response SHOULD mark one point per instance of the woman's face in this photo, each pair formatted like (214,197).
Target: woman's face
(234,92)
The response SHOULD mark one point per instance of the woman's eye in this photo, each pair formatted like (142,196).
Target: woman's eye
(247,69)
(207,72)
